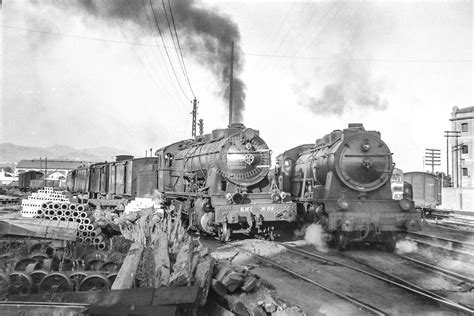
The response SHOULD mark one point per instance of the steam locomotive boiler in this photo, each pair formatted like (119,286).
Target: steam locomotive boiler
(220,182)
(343,183)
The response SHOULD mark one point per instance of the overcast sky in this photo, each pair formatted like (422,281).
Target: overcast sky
(89,76)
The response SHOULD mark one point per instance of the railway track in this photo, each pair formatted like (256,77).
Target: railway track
(454,231)
(390,279)
(456,248)
(380,275)
(437,269)
(358,303)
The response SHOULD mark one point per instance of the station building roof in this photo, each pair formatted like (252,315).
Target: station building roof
(51,164)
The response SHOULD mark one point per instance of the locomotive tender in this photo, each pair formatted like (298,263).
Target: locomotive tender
(343,182)
(219,181)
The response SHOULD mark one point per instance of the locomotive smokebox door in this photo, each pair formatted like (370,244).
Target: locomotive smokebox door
(363,163)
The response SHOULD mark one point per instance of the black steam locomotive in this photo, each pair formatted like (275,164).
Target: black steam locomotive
(343,182)
(219,181)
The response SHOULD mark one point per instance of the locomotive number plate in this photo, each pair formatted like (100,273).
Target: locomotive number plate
(267,209)
(261,209)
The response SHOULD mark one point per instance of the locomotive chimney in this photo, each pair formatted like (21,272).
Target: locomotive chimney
(231,93)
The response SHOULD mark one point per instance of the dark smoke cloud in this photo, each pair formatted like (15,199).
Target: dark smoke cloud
(349,84)
(205,35)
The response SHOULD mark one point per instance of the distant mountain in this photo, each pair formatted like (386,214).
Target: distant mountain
(14,153)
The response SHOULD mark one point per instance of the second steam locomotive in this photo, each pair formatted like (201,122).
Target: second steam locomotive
(343,183)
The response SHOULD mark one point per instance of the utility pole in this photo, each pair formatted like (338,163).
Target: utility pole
(432,158)
(201,127)
(455,149)
(45,170)
(231,83)
(194,113)
(449,134)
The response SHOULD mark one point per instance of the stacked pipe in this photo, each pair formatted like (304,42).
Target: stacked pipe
(88,231)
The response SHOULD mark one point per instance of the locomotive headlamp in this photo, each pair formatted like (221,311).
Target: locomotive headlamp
(365,146)
(343,203)
(404,204)
(237,198)
(275,197)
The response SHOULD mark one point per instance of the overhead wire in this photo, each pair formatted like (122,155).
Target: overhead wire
(163,62)
(404,60)
(311,18)
(180,51)
(136,54)
(172,37)
(166,50)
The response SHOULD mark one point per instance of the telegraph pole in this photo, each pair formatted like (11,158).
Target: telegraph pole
(201,127)
(456,148)
(432,158)
(194,113)
(449,134)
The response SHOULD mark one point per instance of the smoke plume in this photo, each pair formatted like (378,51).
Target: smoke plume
(205,35)
(346,82)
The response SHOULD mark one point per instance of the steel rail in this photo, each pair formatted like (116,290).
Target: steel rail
(456,231)
(302,277)
(438,269)
(457,252)
(407,285)
(454,241)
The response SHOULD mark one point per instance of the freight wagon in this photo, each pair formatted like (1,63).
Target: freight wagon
(426,189)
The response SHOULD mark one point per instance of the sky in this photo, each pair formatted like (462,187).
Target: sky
(93,73)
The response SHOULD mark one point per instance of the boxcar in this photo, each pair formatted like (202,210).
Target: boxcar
(145,176)
(426,189)
(99,179)
(25,178)
(120,177)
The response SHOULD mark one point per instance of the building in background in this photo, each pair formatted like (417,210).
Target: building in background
(461,148)
(461,195)
(53,168)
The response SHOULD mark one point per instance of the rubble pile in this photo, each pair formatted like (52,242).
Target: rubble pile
(167,255)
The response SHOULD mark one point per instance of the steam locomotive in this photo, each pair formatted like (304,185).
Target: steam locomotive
(343,183)
(218,181)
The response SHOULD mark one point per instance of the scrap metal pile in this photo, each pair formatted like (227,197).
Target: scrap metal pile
(41,267)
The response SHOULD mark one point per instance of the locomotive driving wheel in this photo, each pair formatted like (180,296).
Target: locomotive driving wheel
(55,283)
(94,282)
(20,283)
(224,232)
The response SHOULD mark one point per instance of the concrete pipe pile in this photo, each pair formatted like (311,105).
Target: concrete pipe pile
(88,230)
